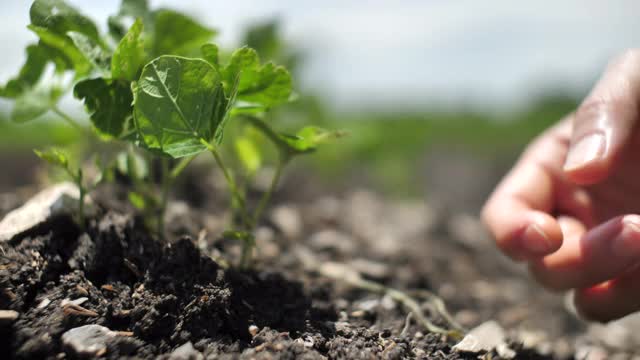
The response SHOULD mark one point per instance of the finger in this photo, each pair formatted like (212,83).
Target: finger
(589,258)
(610,300)
(518,212)
(604,122)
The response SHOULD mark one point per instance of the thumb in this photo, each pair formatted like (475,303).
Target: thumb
(604,122)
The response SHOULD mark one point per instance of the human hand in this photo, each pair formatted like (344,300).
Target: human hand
(570,206)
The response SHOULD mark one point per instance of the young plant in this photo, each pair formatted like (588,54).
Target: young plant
(60,160)
(154,84)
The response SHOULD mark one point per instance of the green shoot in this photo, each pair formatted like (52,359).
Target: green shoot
(60,160)
(162,86)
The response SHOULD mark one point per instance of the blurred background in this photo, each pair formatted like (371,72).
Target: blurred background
(439,97)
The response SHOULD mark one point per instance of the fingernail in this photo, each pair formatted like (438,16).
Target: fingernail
(535,240)
(589,148)
(627,243)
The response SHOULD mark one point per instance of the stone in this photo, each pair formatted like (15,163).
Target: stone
(186,352)
(88,340)
(57,200)
(486,337)
(8,316)
(288,220)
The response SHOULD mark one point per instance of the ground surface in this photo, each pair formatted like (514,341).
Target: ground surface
(157,296)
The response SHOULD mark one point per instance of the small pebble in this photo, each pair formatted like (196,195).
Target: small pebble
(253,330)
(8,316)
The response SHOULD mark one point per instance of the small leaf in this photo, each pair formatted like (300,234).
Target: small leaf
(238,235)
(129,10)
(133,165)
(248,154)
(109,103)
(211,53)
(178,34)
(60,18)
(30,73)
(129,56)
(179,105)
(309,138)
(92,51)
(267,85)
(54,157)
(65,46)
(137,200)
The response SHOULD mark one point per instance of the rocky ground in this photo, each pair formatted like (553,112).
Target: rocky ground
(114,290)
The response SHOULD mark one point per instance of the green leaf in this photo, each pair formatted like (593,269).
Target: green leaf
(132,164)
(179,105)
(32,104)
(267,85)
(238,235)
(248,154)
(30,73)
(109,103)
(92,51)
(129,10)
(60,18)
(137,200)
(305,141)
(65,46)
(178,34)
(129,56)
(309,138)
(211,53)
(54,157)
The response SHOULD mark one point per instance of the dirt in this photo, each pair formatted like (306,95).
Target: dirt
(158,295)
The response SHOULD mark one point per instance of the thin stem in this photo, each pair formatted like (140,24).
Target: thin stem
(184,162)
(67,118)
(272,187)
(164,197)
(247,246)
(82,191)
(233,187)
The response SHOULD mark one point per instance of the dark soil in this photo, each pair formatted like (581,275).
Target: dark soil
(160,295)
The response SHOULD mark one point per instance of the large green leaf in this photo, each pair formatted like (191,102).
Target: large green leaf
(129,55)
(179,104)
(267,85)
(178,34)
(60,18)
(109,103)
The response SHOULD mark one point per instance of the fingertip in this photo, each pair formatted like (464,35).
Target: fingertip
(541,236)
(594,304)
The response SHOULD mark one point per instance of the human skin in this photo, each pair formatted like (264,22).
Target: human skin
(570,207)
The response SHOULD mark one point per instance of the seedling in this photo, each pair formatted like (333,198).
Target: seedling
(60,159)
(160,85)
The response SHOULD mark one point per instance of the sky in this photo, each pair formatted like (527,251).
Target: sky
(410,53)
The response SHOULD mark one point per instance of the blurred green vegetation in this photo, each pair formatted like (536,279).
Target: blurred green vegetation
(385,146)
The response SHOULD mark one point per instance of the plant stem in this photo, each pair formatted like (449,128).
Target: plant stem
(67,118)
(164,197)
(283,160)
(234,189)
(82,194)
(184,162)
